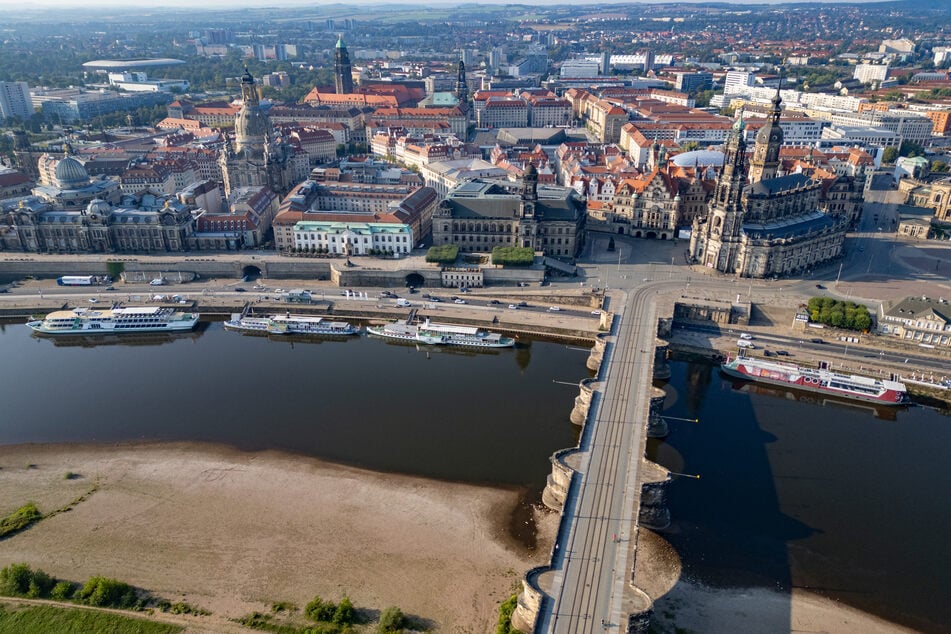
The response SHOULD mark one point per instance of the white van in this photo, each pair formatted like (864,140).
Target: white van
(743,343)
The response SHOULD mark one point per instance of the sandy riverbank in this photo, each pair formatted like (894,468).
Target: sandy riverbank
(232,532)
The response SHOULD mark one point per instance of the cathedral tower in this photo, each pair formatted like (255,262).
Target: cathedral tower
(462,87)
(343,75)
(765,162)
(720,245)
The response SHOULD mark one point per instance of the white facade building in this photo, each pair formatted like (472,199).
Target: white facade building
(353,238)
(15,100)
(870,73)
(738,81)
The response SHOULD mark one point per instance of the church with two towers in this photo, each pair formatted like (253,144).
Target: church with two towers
(759,223)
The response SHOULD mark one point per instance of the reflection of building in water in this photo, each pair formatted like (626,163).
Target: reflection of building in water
(884,413)
(697,380)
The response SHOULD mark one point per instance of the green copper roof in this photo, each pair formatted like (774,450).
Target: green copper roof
(340,43)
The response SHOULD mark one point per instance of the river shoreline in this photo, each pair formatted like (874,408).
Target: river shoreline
(232,532)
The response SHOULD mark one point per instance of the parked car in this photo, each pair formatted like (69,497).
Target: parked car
(743,343)
(513,306)
(495,301)
(522,304)
(596,313)
(746,336)
(433,298)
(768,353)
(553,308)
(820,287)
(459,301)
(816,340)
(110,288)
(240,290)
(782,353)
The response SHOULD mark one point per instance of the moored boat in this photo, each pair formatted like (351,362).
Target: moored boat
(288,324)
(247,324)
(115,320)
(822,380)
(453,335)
(396,330)
(442,334)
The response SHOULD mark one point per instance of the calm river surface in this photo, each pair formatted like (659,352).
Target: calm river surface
(841,500)
(475,417)
(848,502)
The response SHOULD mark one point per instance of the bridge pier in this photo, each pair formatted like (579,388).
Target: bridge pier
(579,413)
(656,425)
(597,352)
(661,352)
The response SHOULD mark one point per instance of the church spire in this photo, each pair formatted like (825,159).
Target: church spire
(765,162)
(343,75)
(462,87)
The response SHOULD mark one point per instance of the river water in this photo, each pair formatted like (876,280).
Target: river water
(848,502)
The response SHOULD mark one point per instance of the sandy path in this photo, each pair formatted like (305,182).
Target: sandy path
(232,532)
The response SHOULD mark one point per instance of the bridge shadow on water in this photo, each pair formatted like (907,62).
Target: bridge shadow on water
(727,525)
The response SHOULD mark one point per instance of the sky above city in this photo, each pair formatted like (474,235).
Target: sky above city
(206,4)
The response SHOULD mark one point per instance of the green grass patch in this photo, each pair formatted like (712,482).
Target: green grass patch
(513,256)
(443,254)
(44,619)
(19,520)
(504,625)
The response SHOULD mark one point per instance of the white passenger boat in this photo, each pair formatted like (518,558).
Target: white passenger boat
(442,334)
(248,324)
(397,330)
(288,324)
(116,320)
(453,335)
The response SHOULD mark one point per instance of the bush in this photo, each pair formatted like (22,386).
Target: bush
(320,610)
(63,591)
(504,625)
(513,256)
(107,593)
(15,580)
(20,519)
(344,614)
(40,585)
(444,254)
(391,620)
(18,580)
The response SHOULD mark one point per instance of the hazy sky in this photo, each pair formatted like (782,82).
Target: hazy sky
(204,4)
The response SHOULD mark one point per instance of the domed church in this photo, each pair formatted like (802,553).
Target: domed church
(257,157)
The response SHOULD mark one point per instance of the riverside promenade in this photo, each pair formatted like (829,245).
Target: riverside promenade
(589,585)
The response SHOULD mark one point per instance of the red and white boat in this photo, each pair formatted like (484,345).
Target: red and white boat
(823,380)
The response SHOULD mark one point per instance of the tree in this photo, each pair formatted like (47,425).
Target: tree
(910,148)
(939,166)
(890,154)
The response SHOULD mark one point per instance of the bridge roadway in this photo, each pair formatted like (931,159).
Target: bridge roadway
(598,557)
